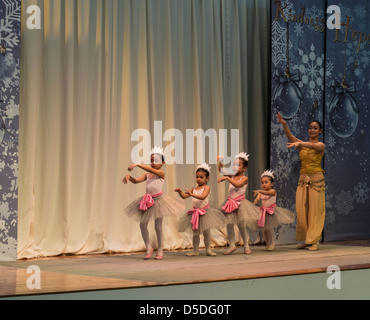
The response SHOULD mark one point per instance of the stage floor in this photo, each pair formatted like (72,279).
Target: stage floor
(123,271)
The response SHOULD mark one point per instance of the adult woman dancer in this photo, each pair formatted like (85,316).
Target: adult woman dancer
(310,195)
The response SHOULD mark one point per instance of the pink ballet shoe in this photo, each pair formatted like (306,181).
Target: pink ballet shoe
(247,251)
(230,251)
(159,256)
(148,254)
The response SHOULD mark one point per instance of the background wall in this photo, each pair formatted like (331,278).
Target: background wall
(318,60)
(300,47)
(10,27)
(96,71)
(347,134)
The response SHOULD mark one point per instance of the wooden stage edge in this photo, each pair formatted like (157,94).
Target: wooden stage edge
(72,274)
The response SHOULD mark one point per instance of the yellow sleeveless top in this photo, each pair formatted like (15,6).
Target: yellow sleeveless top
(310,161)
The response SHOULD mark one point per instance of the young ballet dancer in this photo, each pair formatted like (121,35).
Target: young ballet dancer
(201,218)
(236,208)
(271,216)
(153,205)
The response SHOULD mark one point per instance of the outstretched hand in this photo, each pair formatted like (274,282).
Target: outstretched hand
(293,144)
(126,179)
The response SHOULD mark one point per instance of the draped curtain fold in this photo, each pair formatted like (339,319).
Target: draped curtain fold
(98,70)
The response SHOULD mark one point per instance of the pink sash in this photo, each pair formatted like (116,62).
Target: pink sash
(147,201)
(270,210)
(233,204)
(197,212)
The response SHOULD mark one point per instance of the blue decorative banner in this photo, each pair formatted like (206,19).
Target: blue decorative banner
(324,74)
(10,35)
(297,89)
(347,135)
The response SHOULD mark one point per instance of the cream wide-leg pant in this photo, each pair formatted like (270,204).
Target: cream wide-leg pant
(310,207)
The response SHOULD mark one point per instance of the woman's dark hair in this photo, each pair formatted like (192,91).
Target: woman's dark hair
(318,122)
(206,172)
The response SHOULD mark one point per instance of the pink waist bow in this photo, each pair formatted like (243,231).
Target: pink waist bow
(197,212)
(232,204)
(270,210)
(147,201)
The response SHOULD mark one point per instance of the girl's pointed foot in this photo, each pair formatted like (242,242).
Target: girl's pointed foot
(159,255)
(247,250)
(211,253)
(192,254)
(230,251)
(148,254)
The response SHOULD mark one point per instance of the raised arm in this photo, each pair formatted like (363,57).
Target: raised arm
(159,173)
(287,131)
(220,166)
(318,146)
(236,183)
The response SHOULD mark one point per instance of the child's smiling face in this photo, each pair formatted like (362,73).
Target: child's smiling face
(314,130)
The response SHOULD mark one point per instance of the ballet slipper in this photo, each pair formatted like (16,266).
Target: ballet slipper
(247,250)
(230,251)
(159,255)
(210,253)
(192,254)
(270,247)
(148,254)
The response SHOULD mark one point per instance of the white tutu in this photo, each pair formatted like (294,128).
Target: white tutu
(213,218)
(280,217)
(246,213)
(163,206)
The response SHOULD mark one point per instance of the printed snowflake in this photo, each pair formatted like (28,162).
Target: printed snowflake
(314,13)
(12,13)
(344,202)
(331,142)
(317,94)
(361,192)
(330,214)
(279,43)
(362,58)
(329,217)
(360,11)
(312,70)
(298,29)
(329,68)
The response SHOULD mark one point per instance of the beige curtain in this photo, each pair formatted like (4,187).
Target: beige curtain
(98,70)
